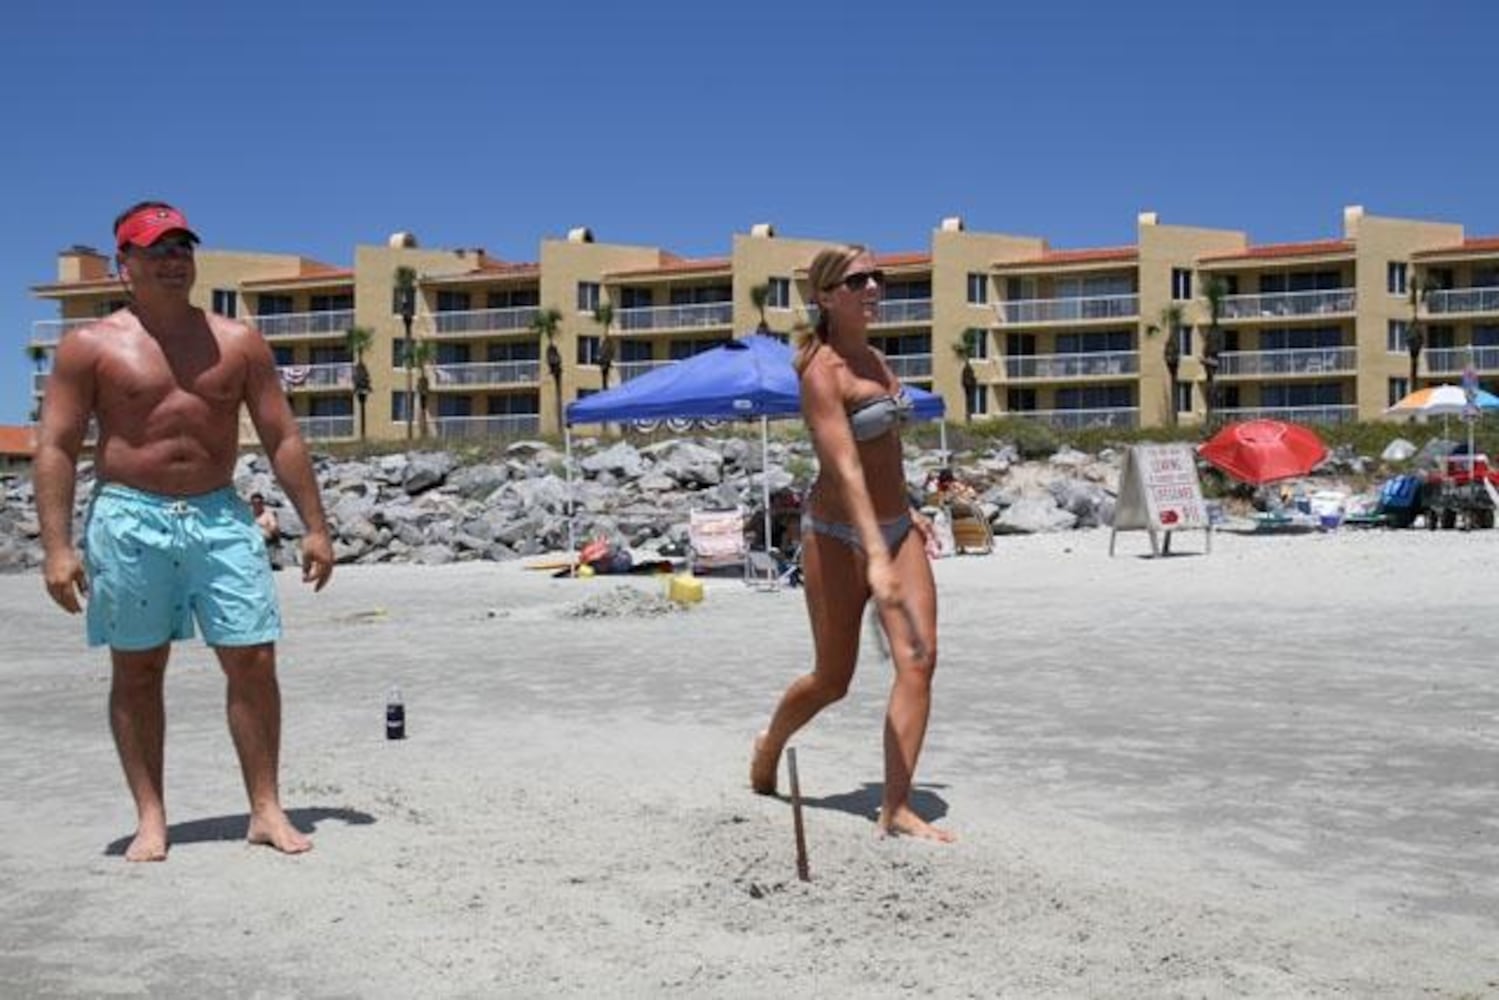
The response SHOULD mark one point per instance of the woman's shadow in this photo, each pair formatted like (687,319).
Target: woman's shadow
(865,801)
(236,826)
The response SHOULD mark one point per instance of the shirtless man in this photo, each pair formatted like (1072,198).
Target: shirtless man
(270,528)
(167,538)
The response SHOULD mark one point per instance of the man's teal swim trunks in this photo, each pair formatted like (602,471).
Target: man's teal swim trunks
(155,563)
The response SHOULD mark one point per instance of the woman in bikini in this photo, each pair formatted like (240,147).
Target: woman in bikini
(860,537)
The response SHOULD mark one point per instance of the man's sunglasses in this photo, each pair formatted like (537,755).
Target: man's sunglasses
(162,249)
(859,280)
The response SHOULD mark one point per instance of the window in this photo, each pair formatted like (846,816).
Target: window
(330,406)
(588,350)
(398,352)
(976,339)
(1184,397)
(1399,389)
(1020,400)
(334,355)
(399,406)
(514,404)
(1184,340)
(907,290)
(226,302)
(1441,338)
(1395,277)
(588,296)
(453,354)
(284,355)
(780,294)
(273,305)
(517,298)
(1181,284)
(978,400)
(342,302)
(1395,338)
(452,302)
(636,298)
(513,350)
(455,406)
(681,350)
(635,350)
(701,295)
(978,291)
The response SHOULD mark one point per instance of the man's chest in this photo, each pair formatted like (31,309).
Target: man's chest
(141,373)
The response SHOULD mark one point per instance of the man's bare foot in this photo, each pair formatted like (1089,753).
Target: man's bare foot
(150,843)
(763,770)
(905,823)
(275,830)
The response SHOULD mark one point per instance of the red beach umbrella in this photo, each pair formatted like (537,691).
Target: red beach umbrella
(1262,451)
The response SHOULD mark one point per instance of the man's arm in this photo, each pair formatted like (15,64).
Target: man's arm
(66,406)
(272,416)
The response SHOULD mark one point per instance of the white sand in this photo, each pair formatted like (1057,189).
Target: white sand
(1272,771)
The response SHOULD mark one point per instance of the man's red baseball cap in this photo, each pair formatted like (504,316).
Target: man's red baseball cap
(146,225)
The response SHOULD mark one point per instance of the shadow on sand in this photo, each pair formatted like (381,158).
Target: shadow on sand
(198,831)
(865,801)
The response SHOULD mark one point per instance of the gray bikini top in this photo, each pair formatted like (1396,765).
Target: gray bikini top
(874,417)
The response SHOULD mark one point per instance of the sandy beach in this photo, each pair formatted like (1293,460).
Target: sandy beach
(1272,771)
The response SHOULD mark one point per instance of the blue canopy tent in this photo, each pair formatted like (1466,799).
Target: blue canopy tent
(744,378)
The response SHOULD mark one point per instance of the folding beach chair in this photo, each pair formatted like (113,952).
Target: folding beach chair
(715,540)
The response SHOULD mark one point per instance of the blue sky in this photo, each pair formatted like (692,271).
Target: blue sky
(310,127)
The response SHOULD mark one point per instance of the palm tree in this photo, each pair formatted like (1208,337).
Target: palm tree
(965,347)
(545,325)
(406,306)
(1418,290)
(1171,351)
(760,298)
(38,355)
(603,314)
(358,339)
(1214,290)
(417,359)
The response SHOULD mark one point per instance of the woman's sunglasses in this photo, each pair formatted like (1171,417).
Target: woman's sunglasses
(859,280)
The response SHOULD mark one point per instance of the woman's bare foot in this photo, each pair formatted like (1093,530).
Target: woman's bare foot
(274,830)
(150,843)
(905,823)
(763,771)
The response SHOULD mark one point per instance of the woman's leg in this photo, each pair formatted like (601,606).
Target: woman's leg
(911,693)
(836,591)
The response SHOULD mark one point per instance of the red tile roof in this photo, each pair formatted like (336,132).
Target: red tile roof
(903,259)
(17,441)
(672,264)
(1475,244)
(1062,258)
(308,272)
(92,284)
(1271,251)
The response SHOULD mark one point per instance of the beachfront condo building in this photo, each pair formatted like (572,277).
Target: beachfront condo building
(1184,321)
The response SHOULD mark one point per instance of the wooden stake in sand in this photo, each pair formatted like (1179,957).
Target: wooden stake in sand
(802,871)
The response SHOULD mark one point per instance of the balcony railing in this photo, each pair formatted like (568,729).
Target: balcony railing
(688,317)
(1060,366)
(334,376)
(910,365)
(49,331)
(903,312)
(1123,416)
(1281,305)
(486,373)
(1463,300)
(451,324)
(1070,310)
(307,324)
(39,383)
(634,369)
(1452,360)
(1298,361)
(326,428)
(504,424)
(1333,414)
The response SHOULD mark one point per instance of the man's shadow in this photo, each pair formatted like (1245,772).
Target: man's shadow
(234,827)
(865,801)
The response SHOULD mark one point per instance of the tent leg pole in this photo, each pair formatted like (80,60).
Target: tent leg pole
(572,544)
(765,475)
